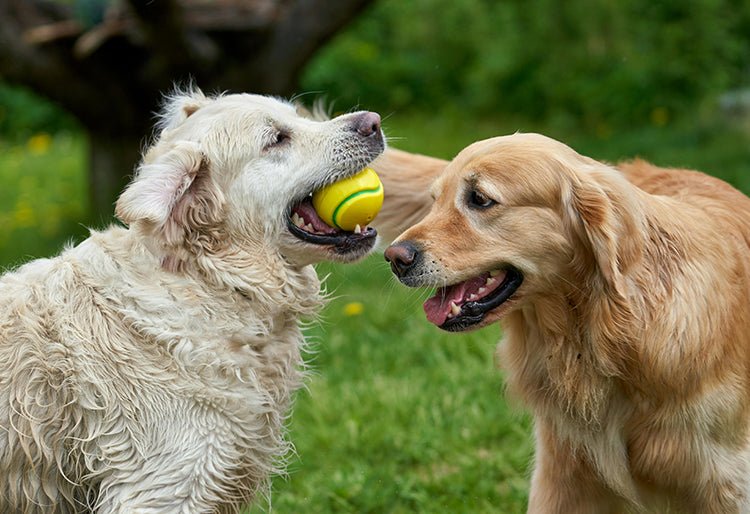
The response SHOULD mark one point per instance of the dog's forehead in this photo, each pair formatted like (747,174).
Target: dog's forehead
(473,164)
(524,167)
(251,106)
(518,154)
(259,102)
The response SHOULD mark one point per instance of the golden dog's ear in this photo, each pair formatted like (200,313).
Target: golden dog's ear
(172,194)
(603,214)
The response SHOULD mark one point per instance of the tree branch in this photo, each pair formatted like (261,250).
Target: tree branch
(162,22)
(52,70)
(109,68)
(305,27)
(21,61)
(167,33)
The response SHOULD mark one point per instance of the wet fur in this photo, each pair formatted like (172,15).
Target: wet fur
(629,339)
(151,368)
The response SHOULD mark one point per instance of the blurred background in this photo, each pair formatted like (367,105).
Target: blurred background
(398,417)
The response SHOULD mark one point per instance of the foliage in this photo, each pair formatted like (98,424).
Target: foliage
(43,198)
(22,114)
(595,62)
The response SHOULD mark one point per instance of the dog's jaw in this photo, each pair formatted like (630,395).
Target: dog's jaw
(339,245)
(466,305)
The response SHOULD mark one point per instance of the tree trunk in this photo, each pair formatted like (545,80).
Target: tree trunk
(112,161)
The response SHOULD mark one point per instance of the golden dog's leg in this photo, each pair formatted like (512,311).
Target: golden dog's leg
(564,483)
(407,178)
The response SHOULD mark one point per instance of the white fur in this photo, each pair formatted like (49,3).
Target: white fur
(150,368)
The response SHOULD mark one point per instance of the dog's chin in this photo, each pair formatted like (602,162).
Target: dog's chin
(476,302)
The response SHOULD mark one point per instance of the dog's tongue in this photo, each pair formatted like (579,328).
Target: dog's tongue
(438,307)
(307,212)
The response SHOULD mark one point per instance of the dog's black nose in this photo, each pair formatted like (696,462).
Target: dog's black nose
(367,124)
(401,256)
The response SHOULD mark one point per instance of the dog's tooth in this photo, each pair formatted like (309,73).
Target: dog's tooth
(472,297)
(490,281)
(494,273)
(482,290)
(357,229)
(455,309)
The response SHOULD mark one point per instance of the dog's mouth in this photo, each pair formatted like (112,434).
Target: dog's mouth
(305,224)
(461,306)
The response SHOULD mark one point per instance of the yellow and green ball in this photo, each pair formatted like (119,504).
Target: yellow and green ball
(350,202)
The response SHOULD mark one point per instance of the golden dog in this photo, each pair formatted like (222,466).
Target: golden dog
(624,299)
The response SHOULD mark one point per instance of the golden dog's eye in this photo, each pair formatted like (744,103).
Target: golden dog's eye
(479,200)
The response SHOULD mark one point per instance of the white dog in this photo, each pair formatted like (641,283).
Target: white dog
(149,369)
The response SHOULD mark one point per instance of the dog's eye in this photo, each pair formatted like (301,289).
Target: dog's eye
(281,138)
(479,200)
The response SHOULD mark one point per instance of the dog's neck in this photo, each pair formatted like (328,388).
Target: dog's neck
(569,349)
(259,290)
(551,362)
(565,349)
(252,269)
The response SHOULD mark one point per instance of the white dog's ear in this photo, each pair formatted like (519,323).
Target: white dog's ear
(159,185)
(602,214)
(179,106)
(172,194)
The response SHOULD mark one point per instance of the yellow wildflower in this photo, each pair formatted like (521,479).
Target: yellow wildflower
(24,215)
(659,116)
(353,309)
(39,143)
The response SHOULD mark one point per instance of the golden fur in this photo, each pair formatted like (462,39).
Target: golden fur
(629,337)
(151,368)
(407,194)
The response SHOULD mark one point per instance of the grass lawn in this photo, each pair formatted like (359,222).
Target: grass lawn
(43,199)
(398,417)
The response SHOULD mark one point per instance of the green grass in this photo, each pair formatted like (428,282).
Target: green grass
(398,417)
(43,200)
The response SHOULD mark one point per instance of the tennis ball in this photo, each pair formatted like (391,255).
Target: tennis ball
(350,202)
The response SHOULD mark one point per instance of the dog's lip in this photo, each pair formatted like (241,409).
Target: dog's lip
(303,211)
(465,304)
(342,241)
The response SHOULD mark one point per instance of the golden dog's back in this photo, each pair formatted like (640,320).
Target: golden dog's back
(687,185)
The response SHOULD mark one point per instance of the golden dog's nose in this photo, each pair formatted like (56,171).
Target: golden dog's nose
(401,256)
